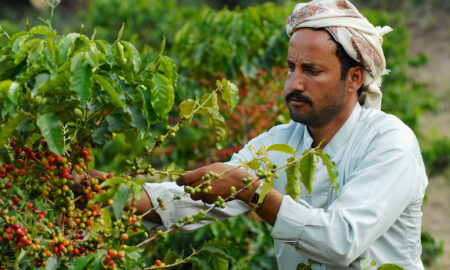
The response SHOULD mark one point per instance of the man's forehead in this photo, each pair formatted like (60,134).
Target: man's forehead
(312,40)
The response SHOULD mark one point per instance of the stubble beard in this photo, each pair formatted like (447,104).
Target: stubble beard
(317,117)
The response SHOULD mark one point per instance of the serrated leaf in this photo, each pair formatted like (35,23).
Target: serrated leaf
(308,168)
(285,148)
(113,92)
(50,127)
(163,95)
(81,262)
(230,93)
(293,187)
(52,263)
(120,199)
(80,77)
(186,108)
(266,188)
(390,266)
(331,168)
(254,164)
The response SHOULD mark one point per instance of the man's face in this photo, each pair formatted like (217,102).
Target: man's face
(313,90)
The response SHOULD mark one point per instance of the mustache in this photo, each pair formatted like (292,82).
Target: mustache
(298,96)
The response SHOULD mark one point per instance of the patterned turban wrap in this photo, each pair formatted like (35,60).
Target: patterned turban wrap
(360,39)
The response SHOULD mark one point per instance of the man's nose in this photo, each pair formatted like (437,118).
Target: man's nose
(296,81)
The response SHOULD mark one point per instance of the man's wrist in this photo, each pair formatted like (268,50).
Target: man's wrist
(247,194)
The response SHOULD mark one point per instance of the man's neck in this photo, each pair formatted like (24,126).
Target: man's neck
(326,132)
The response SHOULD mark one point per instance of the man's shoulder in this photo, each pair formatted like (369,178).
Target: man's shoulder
(387,128)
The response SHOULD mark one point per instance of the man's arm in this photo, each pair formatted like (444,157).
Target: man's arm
(143,205)
(221,187)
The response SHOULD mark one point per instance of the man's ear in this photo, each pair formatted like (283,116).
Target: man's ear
(355,78)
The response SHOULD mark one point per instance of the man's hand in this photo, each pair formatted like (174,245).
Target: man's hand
(220,187)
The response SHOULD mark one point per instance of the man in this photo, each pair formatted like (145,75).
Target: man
(335,63)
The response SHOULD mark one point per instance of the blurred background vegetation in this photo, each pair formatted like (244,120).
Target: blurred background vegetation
(245,41)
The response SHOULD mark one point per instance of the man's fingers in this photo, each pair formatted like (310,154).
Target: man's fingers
(190,177)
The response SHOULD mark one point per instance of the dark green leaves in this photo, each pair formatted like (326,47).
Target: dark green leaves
(80,77)
(50,128)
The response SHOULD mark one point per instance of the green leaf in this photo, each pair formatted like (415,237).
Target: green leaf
(22,254)
(331,168)
(209,101)
(390,266)
(138,119)
(285,148)
(266,188)
(168,68)
(101,134)
(50,127)
(218,123)
(107,50)
(67,44)
(52,263)
(230,93)
(24,49)
(92,58)
(106,218)
(220,263)
(163,94)
(121,199)
(52,83)
(19,43)
(113,92)
(80,77)
(114,181)
(186,108)
(81,262)
(120,34)
(132,54)
(217,251)
(171,257)
(200,263)
(42,30)
(262,150)
(308,168)
(254,164)
(293,187)
(97,264)
(7,130)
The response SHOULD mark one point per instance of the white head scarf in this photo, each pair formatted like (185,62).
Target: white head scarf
(360,39)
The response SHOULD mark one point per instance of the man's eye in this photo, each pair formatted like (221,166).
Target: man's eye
(291,67)
(313,72)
